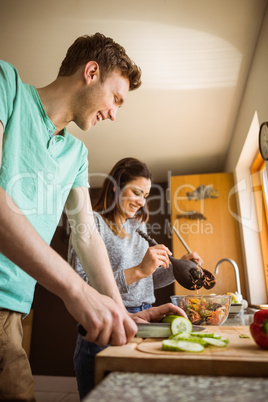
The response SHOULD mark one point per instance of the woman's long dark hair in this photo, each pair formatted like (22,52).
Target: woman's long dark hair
(107,205)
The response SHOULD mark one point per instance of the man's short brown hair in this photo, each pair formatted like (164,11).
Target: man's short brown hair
(109,55)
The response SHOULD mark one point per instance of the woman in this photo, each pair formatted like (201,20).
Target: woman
(138,269)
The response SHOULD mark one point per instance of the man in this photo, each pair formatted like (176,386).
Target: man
(43,169)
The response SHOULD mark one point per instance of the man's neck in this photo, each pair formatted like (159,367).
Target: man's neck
(55,103)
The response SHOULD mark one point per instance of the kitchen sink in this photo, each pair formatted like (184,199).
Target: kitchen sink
(245,317)
(249,310)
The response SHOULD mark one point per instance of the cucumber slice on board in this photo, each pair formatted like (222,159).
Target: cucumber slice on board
(215,342)
(181,336)
(206,335)
(210,335)
(181,346)
(178,324)
(225,340)
(189,338)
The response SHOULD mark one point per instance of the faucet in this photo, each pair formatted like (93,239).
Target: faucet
(237,278)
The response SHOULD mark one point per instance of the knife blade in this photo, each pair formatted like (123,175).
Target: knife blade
(159,330)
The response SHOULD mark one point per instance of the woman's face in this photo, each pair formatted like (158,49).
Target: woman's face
(133,196)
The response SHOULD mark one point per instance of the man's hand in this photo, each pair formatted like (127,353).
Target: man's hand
(156,314)
(104,321)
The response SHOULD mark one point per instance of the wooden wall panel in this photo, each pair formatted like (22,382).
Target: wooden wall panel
(215,237)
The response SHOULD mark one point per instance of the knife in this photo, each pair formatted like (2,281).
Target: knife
(150,330)
(159,330)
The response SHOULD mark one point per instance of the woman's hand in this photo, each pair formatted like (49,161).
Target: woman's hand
(191,256)
(155,256)
(156,314)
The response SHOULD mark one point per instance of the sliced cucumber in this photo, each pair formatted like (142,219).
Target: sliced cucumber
(215,342)
(178,324)
(178,346)
(226,340)
(205,334)
(170,318)
(210,335)
(187,337)
(181,335)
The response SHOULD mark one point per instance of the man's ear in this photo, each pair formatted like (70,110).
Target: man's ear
(91,72)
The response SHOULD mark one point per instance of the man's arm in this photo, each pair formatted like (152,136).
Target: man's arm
(104,320)
(1,140)
(93,256)
(89,245)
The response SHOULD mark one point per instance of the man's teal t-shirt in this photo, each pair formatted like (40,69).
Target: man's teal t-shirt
(38,171)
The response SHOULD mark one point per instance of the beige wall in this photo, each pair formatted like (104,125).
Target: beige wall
(243,149)
(255,98)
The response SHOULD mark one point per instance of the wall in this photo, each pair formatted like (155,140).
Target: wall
(243,150)
(255,98)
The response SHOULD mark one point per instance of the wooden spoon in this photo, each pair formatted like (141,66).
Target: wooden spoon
(208,279)
(185,272)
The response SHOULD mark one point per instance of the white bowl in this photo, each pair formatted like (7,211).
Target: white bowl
(236,308)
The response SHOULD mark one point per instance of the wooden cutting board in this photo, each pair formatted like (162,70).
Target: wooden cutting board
(237,346)
(241,357)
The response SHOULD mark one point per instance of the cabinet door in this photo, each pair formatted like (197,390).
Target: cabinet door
(207,221)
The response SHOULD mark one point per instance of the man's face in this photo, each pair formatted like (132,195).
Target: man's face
(99,101)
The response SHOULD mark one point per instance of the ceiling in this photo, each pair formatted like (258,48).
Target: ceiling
(195,57)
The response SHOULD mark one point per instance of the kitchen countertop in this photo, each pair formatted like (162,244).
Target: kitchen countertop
(146,387)
(154,387)
(241,357)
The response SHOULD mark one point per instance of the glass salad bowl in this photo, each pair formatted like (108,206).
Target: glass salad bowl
(204,310)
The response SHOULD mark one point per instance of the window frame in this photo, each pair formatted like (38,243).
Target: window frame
(257,171)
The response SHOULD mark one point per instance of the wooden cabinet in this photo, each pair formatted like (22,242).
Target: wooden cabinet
(203,209)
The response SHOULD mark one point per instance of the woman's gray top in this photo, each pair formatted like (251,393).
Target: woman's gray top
(126,253)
